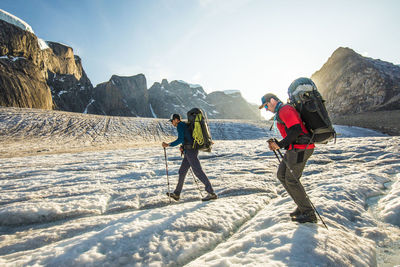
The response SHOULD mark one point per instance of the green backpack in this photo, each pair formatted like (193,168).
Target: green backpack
(198,126)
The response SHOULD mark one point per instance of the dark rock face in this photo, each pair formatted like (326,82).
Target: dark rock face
(351,83)
(70,87)
(177,97)
(122,96)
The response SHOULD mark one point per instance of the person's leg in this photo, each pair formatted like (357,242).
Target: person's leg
(281,174)
(297,161)
(192,156)
(182,174)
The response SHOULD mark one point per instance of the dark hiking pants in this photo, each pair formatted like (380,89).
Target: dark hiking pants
(191,160)
(296,159)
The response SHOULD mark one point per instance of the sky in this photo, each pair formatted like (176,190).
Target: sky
(255,46)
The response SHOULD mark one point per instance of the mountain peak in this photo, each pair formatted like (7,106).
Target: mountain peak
(351,83)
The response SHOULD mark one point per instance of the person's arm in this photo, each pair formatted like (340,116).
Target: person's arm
(292,121)
(181,136)
(292,133)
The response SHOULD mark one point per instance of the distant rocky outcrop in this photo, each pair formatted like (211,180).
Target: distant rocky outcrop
(121,96)
(179,97)
(70,87)
(38,74)
(230,104)
(351,83)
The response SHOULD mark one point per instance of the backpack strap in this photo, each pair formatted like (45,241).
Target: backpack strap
(277,109)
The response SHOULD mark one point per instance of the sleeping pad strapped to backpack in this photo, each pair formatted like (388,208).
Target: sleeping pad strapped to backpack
(304,96)
(198,125)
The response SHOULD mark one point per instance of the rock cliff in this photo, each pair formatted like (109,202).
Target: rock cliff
(122,96)
(22,80)
(351,83)
(37,74)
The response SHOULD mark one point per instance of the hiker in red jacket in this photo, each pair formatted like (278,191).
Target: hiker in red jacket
(297,141)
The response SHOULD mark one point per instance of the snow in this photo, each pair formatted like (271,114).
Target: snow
(190,85)
(152,112)
(231,92)
(7,17)
(61,93)
(201,93)
(90,102)
(42,44)
(12,58)
(107,207)
(390,204)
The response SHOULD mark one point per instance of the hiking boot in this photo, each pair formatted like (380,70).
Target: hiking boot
(295,213)
(174,196)
(306,217)
(209,196)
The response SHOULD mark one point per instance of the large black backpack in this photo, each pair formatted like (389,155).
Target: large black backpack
(198,126)
(304,96)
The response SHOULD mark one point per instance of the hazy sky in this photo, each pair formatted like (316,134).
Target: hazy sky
(255,46)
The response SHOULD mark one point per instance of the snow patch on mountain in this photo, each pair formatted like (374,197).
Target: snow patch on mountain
(152,112)
(231,92)
(190,85)
(7,17)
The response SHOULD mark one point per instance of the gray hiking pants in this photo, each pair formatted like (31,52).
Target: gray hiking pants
(296,159)
(191,160)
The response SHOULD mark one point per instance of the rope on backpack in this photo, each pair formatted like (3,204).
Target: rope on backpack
(197,132)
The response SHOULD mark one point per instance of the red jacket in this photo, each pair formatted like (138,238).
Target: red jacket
(290,117)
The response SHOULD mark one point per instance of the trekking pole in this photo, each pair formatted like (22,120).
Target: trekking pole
(287,166)
(166,169)
(194,178)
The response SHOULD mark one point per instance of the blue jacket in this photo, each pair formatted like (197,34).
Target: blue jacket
(184,135)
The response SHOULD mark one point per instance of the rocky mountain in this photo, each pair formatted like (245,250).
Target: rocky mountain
(351,83)
(22,79)
(231,104)
(70,87)
(47,75)
(38,74)
(121,96)
(180,97)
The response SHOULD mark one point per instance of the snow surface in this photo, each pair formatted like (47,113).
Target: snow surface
(390,204)
(108,207)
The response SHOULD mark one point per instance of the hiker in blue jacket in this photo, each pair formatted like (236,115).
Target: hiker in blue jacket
(190,159)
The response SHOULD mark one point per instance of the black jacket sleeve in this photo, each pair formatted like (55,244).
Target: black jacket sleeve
(292,133)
